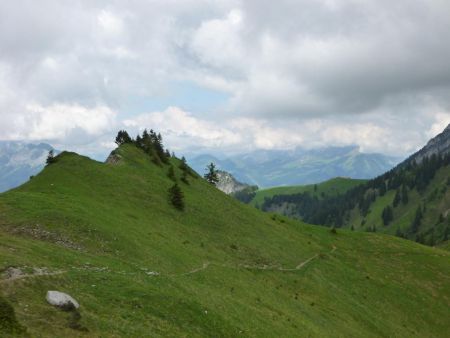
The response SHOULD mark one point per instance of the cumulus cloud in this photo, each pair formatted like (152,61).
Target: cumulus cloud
(182,130)
(59,122)
(374,73)
(185,132)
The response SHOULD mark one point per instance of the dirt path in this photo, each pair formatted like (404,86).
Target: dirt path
(255,267)
(13,274)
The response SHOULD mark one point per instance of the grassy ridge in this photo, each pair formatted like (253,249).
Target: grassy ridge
(330,187)
(103,232)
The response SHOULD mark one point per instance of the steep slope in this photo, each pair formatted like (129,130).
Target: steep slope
(300,166)
(106,234)
(411,201)
(334,186)
(439,145)
(19,161)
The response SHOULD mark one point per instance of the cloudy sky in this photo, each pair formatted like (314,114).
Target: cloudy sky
(226,75)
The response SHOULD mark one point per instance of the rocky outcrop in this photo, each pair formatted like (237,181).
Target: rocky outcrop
(439,145)
(228,184)
(113,159)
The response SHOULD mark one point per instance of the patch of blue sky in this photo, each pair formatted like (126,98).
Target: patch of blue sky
(185,95)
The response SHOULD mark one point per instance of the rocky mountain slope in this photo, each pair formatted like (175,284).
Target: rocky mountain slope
(439,145)
(106,234)
(228,184)
(19,161)
(300,166)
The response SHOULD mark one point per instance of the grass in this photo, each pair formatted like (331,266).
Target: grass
(108,229)
(331,187)
(435,198)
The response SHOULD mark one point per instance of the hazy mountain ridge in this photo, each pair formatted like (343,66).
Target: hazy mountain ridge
(19,161)
(269,168)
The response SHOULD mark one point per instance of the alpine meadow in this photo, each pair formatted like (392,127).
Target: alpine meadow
(225,168)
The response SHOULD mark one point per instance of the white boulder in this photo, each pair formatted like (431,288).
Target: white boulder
(61,299)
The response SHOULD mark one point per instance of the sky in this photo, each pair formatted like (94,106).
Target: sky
(226,76)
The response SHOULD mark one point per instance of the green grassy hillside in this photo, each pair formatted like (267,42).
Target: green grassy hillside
(107,235)
(434,202)
(410,201)
(329,188)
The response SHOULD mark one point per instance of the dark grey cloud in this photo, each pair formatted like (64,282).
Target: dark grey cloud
(342,65)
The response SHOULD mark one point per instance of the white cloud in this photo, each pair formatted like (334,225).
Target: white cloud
(110,23)
(182,130)
(61,121)
(301,72)
(186,133)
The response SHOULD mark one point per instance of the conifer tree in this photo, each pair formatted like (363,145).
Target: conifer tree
(387,215)
(211,176)
(176,197)
(139,141)
(123,137)
(50,157)
(183,164)
(397,199)
(417,220)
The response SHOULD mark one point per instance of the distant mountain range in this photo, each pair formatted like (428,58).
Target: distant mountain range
(269,168)
(19,161)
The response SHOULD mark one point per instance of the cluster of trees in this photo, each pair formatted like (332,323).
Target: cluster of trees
(152,144)
(335,210)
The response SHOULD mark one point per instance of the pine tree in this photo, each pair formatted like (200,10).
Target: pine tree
(387,215)
(186,169)
(183,164)
(176,197)
(139,141)
(397,199)
(50,157)
(123,137)
(211,176)
(417,220)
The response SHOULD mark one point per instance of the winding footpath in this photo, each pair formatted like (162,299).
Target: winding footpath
(13,274)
